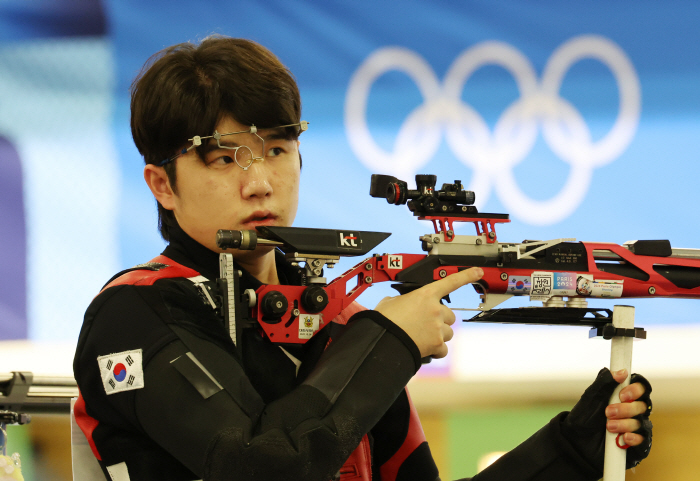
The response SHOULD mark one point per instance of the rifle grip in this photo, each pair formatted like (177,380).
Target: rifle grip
(405,288)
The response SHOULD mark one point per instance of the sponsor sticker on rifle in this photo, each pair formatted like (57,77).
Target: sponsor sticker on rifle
(122,371)
(395,262)
(564,284)
(541,285)
(568,284)
(349,239)
(584,285)
(607,288)
(308,325)
(519,285)
(548,284)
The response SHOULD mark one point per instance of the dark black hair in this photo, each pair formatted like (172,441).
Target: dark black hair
(186,89)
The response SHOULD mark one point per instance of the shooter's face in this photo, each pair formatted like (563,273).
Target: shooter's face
(219,194)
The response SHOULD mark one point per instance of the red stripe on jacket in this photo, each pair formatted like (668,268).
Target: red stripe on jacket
(414,438)
(86,423)
(147,277)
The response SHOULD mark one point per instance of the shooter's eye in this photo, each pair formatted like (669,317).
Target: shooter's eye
(220,161)
(275,152)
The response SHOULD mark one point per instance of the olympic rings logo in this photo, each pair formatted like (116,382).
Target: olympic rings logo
(492,155)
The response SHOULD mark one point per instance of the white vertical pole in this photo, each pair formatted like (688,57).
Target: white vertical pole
(620,358)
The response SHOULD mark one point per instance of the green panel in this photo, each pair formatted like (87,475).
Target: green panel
(474,433)
(18,441)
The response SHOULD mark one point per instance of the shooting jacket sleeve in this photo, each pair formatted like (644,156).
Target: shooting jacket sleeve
(545,456)
(356,380)
(198,405)
(572,445)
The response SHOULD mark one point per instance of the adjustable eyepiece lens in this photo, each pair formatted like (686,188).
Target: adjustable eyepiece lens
(396,193)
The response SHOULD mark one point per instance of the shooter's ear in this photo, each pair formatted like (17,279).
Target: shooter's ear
(157,180)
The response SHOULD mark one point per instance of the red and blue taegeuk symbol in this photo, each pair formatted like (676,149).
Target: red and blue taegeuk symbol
(119,372)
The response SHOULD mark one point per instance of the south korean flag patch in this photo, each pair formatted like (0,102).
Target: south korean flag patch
(122,371)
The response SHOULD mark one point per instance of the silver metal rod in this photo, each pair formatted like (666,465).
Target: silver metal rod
(605,254)
(67,381)
(675,252)
(686,253)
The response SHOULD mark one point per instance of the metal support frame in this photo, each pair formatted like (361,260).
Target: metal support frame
(618,326)
(25,392)
(620,358)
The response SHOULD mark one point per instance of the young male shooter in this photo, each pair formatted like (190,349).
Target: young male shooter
(165,394)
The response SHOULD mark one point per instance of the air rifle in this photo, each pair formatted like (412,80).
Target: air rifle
(561,273)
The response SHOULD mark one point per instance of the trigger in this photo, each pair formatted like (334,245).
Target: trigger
(446,298)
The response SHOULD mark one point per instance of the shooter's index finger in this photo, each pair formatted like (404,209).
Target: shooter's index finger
(454,281)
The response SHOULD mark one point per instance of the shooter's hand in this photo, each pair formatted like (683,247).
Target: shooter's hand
(421,315)
(583,426)
(621,416)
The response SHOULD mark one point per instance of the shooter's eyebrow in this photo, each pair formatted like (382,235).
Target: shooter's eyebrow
(211,144)
(223,141)
(274,134)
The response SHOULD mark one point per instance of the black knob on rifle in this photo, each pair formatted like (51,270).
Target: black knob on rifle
(273,305)
(455,193)
(466,197)
(314,299)
(430,204)
(425,182)
(236,239)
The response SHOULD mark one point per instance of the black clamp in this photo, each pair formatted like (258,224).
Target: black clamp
(608,331)
(9,417)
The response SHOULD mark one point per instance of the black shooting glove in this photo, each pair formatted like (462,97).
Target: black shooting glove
(635,454)
(584,426)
